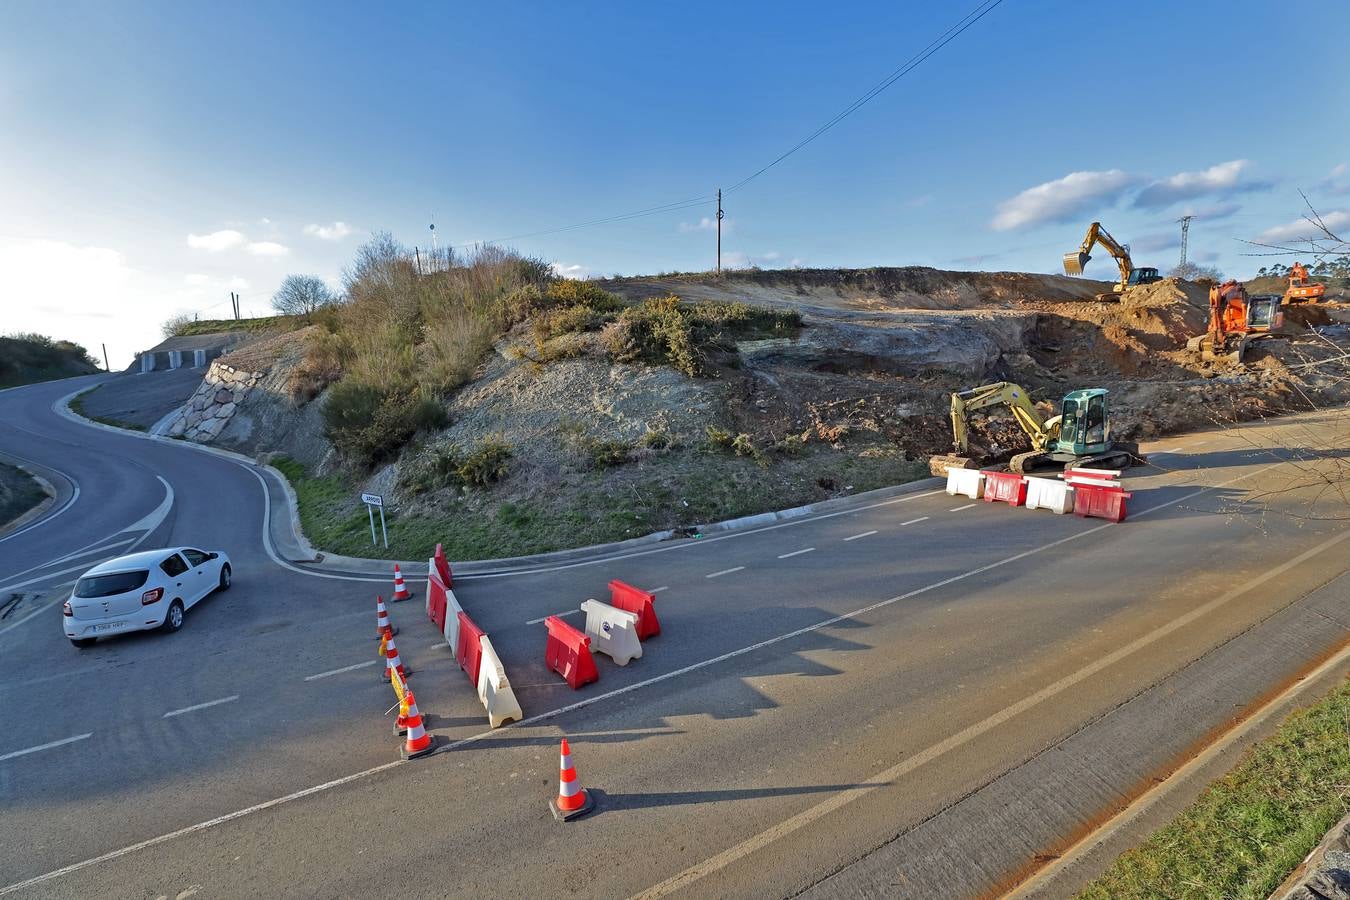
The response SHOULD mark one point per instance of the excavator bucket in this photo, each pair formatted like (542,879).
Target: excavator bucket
(1074,262)
(938,465)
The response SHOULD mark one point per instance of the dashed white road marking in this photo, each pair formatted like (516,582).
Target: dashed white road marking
(597,698)
(723,572)
(664,587)
(567,612)
(795,553)
(60,743)
(863,535)
(353,667)
(959,508)
(922,519)
(194,708)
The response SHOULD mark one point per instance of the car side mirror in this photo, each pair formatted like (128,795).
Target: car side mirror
(213,556)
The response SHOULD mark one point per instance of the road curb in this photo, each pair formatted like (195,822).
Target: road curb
(303,553)
(23,518)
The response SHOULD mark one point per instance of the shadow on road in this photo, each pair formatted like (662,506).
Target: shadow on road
(607,802)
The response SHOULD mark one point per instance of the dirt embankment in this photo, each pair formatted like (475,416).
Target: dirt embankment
(857,398)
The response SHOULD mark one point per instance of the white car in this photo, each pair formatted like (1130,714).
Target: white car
(142,591)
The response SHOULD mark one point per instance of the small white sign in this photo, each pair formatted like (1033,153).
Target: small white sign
(373,500)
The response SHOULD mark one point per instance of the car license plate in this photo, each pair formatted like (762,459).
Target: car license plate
(111,626)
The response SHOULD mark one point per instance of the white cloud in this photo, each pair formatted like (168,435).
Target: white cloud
(1340,170)
(267,248)
(707,223)
(1303,230)
(1337,182)
(238,284)
(335,232)
(1063,199)
(196,280)
(575,271)
(921,200)
(1220,210)
(1220,178)
(216,241)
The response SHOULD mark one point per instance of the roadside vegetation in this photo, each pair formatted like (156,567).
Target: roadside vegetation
(653,491)
(186,326)
(30,358)
(1246,833)
(19,492)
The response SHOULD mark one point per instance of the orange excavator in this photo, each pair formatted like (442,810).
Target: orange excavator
(1300,288)
(1235,320)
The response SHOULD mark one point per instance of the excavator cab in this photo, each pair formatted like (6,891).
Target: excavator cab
(1145,275)
(1084,424)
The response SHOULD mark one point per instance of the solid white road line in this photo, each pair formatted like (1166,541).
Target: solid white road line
(360,665)
(959,508)
(568,612)
(863,535)
(971,732)
(664,587)
(60,743)
(1145,801)
(921,519)
(724,572)
(188,709)
(795,553)
(70,501)
(598,698)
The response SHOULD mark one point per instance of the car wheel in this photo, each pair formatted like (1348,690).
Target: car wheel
(83,642)
(225,577)
(173,620)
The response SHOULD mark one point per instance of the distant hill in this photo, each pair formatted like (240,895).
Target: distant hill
(29,358)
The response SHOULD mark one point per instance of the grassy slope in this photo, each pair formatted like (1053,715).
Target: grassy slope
(215,326)
(18,493)
(1247,831)
(683,488)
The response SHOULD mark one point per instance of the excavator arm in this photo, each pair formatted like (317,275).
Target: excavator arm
(1001,392)
(1096,234)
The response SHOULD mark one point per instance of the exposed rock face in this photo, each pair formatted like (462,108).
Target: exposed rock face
(214,402)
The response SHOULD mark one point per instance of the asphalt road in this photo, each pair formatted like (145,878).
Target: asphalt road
(918,696)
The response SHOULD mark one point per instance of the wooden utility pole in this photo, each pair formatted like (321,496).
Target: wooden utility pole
(106,367)
(719,231)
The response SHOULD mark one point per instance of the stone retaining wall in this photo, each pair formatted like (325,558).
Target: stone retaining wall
(214,402)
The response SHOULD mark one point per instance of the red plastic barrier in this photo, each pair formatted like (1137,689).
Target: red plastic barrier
(568,652)
(1100,502)
(436,602)
(443,567)
(469,649)
(1007,487)
(640,603)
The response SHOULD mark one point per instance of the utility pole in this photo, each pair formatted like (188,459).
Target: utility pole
(106,367)
(1185,232)
(719,231)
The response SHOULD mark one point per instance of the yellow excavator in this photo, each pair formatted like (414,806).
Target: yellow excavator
(1129,275)
(1079,436)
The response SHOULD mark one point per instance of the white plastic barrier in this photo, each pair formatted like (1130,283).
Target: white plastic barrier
(452,611)
(494,690)
(1049,493)
(612,631)
(968,482)
(432,578)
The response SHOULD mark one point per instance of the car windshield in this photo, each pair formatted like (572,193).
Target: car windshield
(108,585)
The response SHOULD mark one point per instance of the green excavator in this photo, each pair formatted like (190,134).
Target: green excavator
(1080,436)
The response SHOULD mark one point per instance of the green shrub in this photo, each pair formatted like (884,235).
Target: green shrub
(742,445)
(656,330)
(487,463)
(609,453)
(569,292)
(367,425)
(719,438)
(424,472)
(657,439)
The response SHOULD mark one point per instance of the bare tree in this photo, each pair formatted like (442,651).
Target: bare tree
(176,325)
(301,295)
(1195,272)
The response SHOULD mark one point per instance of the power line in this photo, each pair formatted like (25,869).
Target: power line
(942,40)
(912,63)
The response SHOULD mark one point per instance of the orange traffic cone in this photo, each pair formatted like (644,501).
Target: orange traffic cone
(400,589)
(382,624)
(573,801)
(401,723)
(393,661)
(419,743)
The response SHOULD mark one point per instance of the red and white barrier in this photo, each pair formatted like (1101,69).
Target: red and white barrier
(494,689)
(1049,493)
(965,482)
(612,631)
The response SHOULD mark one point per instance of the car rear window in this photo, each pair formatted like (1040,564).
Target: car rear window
(107,585)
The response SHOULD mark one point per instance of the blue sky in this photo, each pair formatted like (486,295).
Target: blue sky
(154,156)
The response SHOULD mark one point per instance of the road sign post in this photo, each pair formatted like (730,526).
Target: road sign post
(374,502)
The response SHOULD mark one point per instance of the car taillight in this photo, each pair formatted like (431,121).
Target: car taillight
(66,610)
(152,596)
